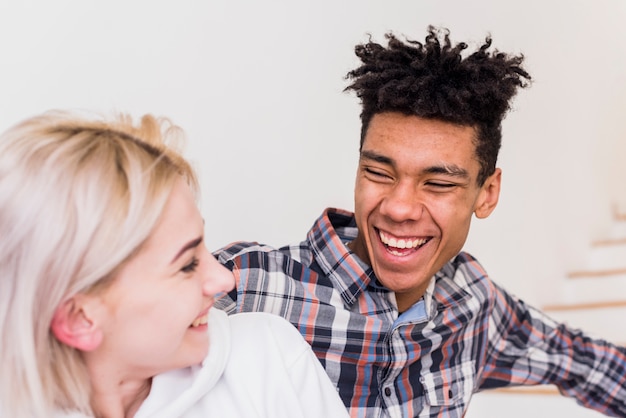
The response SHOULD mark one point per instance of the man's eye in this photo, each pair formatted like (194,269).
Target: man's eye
(441,185)
(191,267)
(375,173)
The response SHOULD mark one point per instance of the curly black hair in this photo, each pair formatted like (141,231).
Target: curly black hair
(434,80)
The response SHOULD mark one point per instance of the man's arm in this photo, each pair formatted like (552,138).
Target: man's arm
(526,347)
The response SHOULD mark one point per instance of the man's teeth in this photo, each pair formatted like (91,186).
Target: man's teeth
(200,321)
(401,243)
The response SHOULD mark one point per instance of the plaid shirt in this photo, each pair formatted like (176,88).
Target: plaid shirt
(471,334)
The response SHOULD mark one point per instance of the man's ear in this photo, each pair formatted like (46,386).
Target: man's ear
(73,324)
(489,195)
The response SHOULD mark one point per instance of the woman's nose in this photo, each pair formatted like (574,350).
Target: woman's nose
(217,277)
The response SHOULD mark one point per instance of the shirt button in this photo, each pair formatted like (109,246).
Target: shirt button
(387,391)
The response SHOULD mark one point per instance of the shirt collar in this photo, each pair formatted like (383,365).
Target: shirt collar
(448,290)
(328,239)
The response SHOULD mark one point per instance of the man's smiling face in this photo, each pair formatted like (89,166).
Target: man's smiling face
(415,194)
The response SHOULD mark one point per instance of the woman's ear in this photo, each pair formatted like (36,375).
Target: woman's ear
(489,195)
(73,325)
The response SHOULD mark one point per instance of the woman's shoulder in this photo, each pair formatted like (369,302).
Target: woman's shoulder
(261,331)
(263,322)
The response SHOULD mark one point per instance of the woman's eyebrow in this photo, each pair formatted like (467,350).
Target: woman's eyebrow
(191,244)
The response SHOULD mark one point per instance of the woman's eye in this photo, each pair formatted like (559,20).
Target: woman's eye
(191,267)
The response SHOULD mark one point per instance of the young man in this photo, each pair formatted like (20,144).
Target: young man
(404,324)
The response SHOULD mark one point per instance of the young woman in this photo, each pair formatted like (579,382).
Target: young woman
(106,287)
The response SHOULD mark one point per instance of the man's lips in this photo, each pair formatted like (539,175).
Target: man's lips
(401,243)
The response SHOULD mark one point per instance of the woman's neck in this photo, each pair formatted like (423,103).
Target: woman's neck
(113,396)
(121,403)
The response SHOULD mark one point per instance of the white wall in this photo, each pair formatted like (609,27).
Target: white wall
(258,88)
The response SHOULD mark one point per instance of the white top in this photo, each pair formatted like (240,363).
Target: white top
(258,366)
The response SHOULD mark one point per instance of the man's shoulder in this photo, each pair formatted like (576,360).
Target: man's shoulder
(239,251)
(467,272)
(243,247)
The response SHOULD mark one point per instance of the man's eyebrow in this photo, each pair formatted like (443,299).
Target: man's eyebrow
(191,244)
(450,170)
(371,155)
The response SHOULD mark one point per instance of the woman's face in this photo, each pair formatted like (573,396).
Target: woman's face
(157,306)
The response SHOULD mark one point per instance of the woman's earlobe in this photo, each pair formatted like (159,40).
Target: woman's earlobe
(72,326)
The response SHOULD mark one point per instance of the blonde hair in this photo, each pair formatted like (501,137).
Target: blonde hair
(78,195)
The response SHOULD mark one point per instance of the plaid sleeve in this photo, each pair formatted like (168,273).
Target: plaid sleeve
(226,256)
(526,347)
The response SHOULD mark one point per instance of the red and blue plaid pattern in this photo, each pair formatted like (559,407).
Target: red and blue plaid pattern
(475,335)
